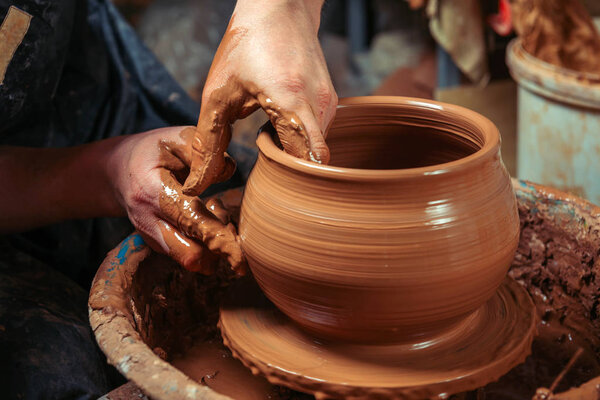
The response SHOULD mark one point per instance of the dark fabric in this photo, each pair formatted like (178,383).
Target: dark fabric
(82,74)
(47,350)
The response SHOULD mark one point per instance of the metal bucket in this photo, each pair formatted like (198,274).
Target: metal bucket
(558,132)
(137,330)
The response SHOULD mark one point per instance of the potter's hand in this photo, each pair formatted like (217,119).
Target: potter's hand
(148,171)
(270,57)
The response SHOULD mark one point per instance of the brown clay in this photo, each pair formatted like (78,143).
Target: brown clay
(559,32)
(211,363)
(480,349)
(551,351)
(409,230)
(207,224)
(558,261)
(214,132)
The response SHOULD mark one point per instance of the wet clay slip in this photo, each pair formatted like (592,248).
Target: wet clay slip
(408,230)
(480,349)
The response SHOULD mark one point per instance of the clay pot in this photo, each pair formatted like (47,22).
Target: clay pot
(409,229)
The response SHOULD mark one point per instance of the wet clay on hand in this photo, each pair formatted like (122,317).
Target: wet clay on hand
(226,105)
(202,230)
(559,32)
(234,99)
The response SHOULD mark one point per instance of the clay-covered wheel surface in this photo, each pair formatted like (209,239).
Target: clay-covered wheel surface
(478,350)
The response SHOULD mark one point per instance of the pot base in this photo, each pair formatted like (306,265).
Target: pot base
(479,350)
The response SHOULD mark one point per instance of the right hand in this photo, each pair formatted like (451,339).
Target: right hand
(270,57)
(147,171)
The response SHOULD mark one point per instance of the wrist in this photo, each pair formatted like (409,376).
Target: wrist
(114,162)
(259,10)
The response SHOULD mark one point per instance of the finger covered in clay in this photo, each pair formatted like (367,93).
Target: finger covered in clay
(237,100)
(192,232)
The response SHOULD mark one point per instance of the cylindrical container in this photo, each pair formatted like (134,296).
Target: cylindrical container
(408,230)
(558,124)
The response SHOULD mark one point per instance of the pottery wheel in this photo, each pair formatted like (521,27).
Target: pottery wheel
(485,346)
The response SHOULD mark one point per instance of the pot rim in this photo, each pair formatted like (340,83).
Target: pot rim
(447,113)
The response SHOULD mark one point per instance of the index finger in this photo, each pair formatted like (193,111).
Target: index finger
(299,137)
(190,216)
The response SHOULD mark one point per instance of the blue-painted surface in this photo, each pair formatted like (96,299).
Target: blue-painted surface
(130,245)
(558,132)
(559,145)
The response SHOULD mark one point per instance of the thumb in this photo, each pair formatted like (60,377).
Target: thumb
(209,163)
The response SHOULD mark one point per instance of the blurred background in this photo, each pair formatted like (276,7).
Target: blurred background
(451,50)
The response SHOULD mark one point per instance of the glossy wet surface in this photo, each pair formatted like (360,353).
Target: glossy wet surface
(211,363)
(477,350)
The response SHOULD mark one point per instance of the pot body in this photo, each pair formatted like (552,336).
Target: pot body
(366,254)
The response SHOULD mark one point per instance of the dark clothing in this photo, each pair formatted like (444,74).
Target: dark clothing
(81,74)
(47,349)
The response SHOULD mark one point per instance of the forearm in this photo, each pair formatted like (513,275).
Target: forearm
(45,185)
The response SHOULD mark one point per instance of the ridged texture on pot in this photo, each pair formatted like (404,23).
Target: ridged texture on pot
(377,255)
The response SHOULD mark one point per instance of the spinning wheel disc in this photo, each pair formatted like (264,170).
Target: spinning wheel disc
(480,349)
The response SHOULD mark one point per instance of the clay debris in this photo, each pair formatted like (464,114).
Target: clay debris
(559,32)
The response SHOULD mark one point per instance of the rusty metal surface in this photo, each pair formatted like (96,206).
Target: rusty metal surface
(558,128)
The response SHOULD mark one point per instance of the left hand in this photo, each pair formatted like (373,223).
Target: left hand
(147,171)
